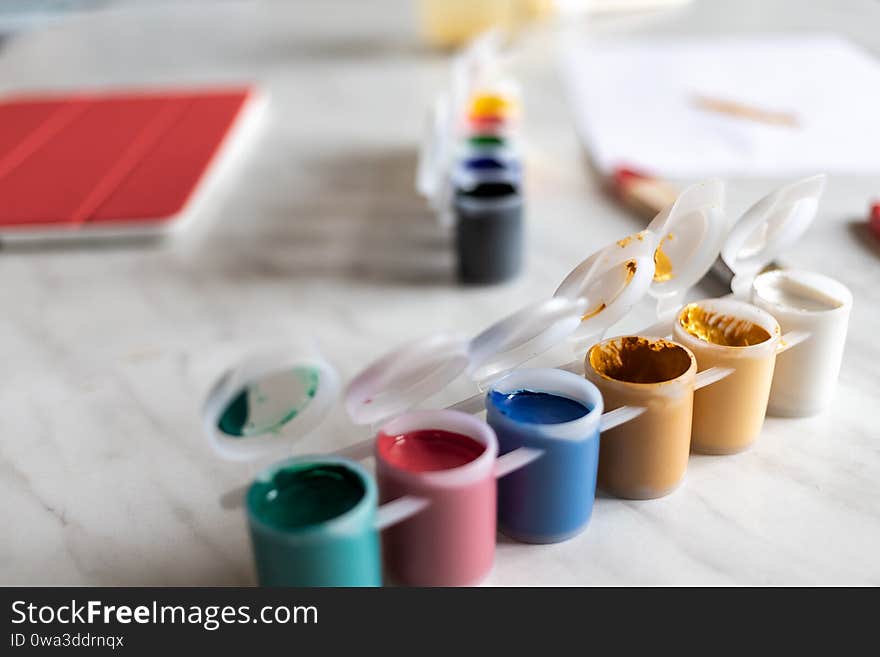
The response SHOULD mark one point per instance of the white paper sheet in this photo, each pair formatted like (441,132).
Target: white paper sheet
(634,105)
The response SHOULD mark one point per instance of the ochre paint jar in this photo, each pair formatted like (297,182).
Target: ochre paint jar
(646,457)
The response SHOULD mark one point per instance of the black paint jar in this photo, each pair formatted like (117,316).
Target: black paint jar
(489,232)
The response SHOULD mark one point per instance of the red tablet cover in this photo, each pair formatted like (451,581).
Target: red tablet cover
(83,161)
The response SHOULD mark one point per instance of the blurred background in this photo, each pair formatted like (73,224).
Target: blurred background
(336,217)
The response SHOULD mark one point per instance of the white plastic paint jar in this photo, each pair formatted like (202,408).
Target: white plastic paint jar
(805,376)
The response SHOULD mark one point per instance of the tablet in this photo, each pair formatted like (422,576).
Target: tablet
(115,164)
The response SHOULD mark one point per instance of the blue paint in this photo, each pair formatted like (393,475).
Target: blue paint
(537,407)
(550,499)
(484,163)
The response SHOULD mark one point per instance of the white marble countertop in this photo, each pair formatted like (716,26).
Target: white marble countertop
(105,475)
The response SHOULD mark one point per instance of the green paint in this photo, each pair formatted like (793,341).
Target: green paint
(235,416)
(305,494)
(268,404)
(486,140)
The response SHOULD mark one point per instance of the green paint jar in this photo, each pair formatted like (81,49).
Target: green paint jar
(312,522)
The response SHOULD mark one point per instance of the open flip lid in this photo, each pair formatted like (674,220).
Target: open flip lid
(769,227)
(690,233)
(523,335)
(407,376)
(610,282)
(269,401)
(476,65)
(434,156)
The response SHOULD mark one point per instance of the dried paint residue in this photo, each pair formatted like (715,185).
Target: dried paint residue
(631,267)
(626,240)
(662,263)
(595,311)
(721,329)
(266,405)
(640,360)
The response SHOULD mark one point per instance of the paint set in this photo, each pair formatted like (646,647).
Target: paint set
(470,166)
(699,379)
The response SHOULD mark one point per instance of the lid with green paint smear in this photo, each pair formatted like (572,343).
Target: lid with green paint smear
(269,400)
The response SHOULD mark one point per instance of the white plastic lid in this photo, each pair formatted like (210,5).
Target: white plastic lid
(769,227)
(268,401)
(432,171)
(610,282)
(406,376)
(690,233)
(523,335)
(476,64)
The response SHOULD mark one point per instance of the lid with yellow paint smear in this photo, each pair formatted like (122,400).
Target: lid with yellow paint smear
(690,233)
(611,282)
(593,296)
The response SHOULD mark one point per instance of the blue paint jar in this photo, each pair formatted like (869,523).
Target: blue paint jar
(550,499)
(313,523)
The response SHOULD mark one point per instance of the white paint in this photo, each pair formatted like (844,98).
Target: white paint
(784,289)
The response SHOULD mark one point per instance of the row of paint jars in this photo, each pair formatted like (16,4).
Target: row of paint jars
(315,520)
(471,166)
(781,349)
(487,188)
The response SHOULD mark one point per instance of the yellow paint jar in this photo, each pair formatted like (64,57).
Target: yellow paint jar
(727,333)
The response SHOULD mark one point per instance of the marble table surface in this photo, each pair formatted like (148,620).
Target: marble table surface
(106,477)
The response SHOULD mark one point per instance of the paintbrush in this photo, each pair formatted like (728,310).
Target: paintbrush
(745,112)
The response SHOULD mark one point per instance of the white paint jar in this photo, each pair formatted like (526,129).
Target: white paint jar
(805,375)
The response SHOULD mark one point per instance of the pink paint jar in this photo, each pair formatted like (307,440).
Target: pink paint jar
(448,458)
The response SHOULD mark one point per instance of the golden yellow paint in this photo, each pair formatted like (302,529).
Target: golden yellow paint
(631,267)
(629,238)
(594,312)
(489,104)
(721,329)
(636,359)
(662,263)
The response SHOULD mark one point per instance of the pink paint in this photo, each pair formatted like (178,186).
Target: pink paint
(429,450)
(452,541)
